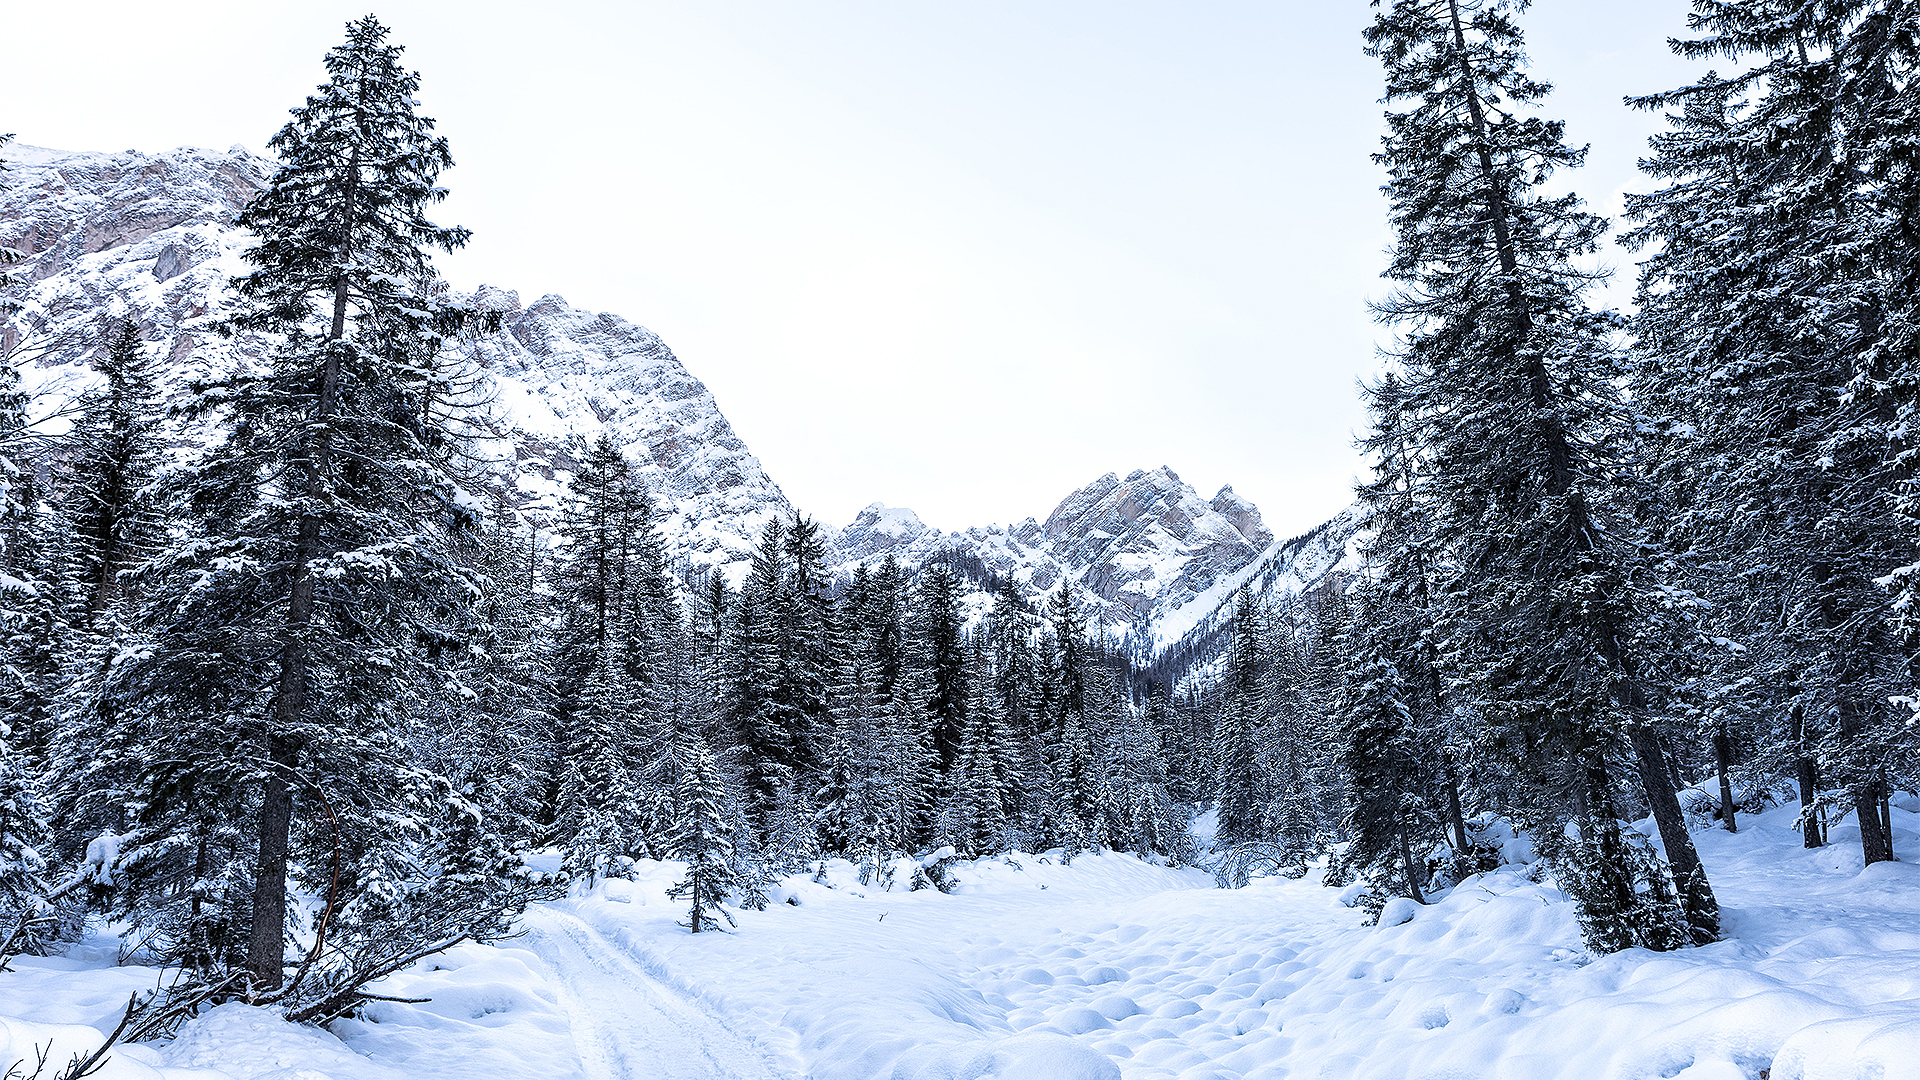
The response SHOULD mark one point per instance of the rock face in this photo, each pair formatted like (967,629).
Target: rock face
(1139,548)
(151,237)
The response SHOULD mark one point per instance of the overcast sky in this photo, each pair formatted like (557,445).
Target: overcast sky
(962,257)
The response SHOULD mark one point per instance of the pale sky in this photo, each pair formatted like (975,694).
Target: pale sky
(960,257)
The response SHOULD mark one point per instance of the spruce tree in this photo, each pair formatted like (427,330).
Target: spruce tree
(943,657)
(1777,331)
(105,503)
(702,840)
(285,629)
(616,667)
(1511,383)
(1237,784)
(1389,772)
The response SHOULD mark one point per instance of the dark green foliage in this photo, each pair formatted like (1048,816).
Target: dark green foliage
(1238,785)
(1778,345)
(702,840)
(289,629)
(1543,593)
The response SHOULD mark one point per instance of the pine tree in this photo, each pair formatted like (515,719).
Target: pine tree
(778,670)
(974,816)
(1512,403)
(1388,770)
(616,665)
(105,503)
(1778,335)
(1077,810)
(286,629)
(1237,783)
(26,840)
(599,818)
(943,658)
(30,628)
(703,839)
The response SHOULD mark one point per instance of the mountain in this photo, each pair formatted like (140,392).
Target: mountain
(1140,548)
(151,237)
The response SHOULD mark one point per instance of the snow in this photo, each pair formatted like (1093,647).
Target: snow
(1106,968)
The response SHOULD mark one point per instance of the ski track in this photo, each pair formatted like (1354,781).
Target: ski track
(626,1025)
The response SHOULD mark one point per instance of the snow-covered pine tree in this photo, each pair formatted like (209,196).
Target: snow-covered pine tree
(104,503)
(905,765)
(1238,789)
(1304,669)
(599,818)
(973,814)
(1076,813)
(1149,820)
(34,650)
(615,664)
(25,837)
(942,656)
(1778,335)
(26,840)
(1512,389)
(284,630)
(497,742)
(1397,611)
(843,820)
(1390,816)
(776,702)
(1013,696)
(703,840)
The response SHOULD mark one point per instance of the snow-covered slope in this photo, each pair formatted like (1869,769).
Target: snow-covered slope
(1191,639)
(1107,969)
(151,237)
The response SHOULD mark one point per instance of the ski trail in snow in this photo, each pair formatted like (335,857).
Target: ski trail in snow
(626,1025)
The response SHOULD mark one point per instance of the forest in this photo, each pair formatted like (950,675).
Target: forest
(298,705)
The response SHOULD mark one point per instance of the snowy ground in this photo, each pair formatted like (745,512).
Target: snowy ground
(1108,968)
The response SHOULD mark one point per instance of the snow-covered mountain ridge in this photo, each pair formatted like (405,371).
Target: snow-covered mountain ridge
(151,237)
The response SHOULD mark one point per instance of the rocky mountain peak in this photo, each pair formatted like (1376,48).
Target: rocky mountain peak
(151,236)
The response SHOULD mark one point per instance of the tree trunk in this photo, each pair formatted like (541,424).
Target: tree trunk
(1454,818)
(266,940)
(1723,760)
(1808,779)
(1689,877)
(1406,860)
(1876,844)
(1886,819)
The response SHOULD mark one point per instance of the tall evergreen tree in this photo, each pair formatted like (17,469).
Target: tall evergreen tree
(105,504)
(1511,388)
(943,656)
(1237,784)
(1778,330)
(286,627)
(703,840)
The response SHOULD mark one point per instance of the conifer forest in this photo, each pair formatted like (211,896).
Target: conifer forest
(308,700)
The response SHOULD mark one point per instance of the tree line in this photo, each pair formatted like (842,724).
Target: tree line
(1612,555)
(297,706)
